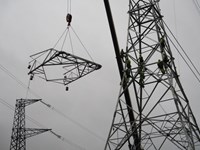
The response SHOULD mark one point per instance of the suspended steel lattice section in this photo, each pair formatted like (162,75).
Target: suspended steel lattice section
(156,114)
(19,132)
(59,66)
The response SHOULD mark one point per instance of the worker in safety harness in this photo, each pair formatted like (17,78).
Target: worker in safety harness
(127,62)
(141,71)
(162,44)
(128,65)
(162,65)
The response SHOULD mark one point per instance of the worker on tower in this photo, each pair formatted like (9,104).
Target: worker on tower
(123,55)
(69,19)
(162,44)
(128,66)
(161,66)
(127,62)
(141,71)
(165,58)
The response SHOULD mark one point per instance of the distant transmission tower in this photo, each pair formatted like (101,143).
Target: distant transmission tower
(152,111)
(19,132)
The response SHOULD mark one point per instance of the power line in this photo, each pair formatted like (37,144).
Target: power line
(17,80)
(197,5)
(67,141)
(197,74)
(73,121)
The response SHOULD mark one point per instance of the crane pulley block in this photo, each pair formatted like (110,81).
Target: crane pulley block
(69,19)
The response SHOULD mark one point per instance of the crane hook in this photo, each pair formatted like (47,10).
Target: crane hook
(69,19)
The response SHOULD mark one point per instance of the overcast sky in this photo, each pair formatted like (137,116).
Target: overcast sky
(30,26)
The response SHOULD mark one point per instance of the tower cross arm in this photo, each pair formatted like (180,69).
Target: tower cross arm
(27,102)
(33,131)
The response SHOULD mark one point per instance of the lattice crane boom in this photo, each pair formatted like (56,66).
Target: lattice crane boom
(120,65)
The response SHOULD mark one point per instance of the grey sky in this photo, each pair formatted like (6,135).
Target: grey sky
(28,27)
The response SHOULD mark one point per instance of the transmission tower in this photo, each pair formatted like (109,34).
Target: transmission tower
(152,111)
(19,132)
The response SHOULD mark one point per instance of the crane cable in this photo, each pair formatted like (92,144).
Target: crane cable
(73,121)
(190,64)
(66,32)
(69,4)
(82,44)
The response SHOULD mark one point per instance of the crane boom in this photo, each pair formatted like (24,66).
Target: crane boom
(121,68)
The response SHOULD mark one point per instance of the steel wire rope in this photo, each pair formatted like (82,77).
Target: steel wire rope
(70,38)
(49,106)
(82,44)
(2,101)
(67,28)
(73,121)
(65,38)
(28,88)
(176,30)
(61,37)
(185,60)
(65,32)
(17,80)
(196,3)
(184,52)
(6,104)
(198,73)
(68,141)
(175,17)
(12,76)
(69,6)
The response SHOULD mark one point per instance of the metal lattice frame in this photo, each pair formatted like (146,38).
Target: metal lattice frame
(19,132)
(60,67)
(163,118)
